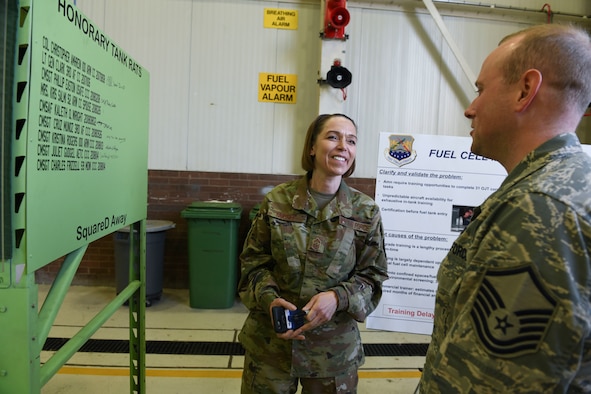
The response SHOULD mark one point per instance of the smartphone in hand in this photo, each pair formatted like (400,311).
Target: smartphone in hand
(284,319)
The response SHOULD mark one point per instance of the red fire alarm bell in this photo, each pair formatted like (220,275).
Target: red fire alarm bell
(336,17)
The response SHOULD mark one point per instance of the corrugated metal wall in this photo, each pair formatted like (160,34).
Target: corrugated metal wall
(205,56)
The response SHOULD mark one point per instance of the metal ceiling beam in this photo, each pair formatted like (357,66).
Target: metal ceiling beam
(450,41)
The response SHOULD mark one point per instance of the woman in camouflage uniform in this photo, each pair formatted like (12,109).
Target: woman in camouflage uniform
(315,244)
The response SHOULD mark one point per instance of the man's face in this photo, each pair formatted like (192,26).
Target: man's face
(491,113)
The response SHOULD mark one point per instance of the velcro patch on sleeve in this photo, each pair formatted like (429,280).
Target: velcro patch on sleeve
(512,311)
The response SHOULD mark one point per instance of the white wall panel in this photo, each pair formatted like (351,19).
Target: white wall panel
(298,52)
(476,39)
(204,58)
(157,35)
(396,78)
(229,129)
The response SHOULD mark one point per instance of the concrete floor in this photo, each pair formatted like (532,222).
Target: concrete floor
(172,319)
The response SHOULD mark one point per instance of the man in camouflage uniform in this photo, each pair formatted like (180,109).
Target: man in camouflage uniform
(513,311)
(319,251)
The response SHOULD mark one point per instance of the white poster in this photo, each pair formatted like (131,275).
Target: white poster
(426,187)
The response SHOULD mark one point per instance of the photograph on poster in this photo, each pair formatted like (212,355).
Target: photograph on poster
(460,217)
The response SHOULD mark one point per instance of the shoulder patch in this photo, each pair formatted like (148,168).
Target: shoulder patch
(512,311)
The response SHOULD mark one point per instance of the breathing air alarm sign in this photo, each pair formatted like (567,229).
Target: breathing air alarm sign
(280,19)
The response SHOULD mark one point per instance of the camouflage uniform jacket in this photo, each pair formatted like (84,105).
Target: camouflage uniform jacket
(513,310)
(295,251)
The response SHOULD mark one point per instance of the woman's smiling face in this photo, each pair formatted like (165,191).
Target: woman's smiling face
(335,147)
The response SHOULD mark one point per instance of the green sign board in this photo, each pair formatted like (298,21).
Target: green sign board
(87,134)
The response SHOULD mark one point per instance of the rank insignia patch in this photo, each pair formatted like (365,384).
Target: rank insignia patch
(512,311)
(318,244)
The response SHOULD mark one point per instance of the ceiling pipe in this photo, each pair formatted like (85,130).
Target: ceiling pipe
(507,7)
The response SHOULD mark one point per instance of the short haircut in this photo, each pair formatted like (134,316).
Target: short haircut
(562,53)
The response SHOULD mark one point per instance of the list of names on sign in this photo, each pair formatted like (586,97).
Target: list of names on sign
(71,135)
(87,123)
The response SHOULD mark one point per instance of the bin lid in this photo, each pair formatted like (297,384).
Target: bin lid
(153,226)
(254,211)
(213,210)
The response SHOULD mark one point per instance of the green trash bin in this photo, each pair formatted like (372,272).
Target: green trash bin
(213,253)
(254,211)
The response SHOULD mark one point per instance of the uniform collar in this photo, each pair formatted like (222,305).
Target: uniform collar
(551,150)
(340,206)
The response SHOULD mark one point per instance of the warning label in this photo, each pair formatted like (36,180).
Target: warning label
(278,88)
(280,19)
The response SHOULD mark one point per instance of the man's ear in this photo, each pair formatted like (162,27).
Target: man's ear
(529,84)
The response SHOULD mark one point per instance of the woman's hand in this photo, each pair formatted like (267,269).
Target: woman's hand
(320,309)
(289,334)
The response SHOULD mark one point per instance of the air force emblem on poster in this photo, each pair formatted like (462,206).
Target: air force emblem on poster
(400,151)
(512,312)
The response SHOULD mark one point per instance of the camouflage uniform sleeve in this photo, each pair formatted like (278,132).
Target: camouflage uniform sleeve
(360,295)
(518,318)
(257,288)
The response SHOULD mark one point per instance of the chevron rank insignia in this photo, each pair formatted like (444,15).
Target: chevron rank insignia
(512,311)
